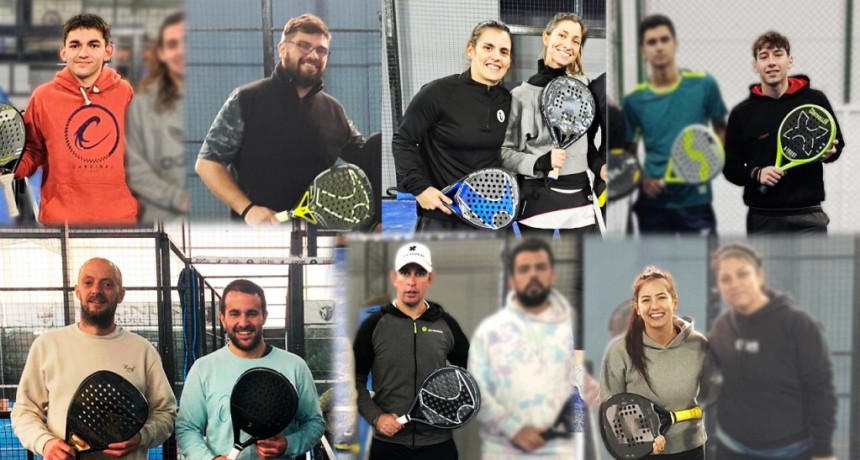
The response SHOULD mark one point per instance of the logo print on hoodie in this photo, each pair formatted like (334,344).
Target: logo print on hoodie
(92,133)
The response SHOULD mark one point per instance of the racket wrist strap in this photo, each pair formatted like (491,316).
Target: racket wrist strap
(234,454)
(403,419)
(247,209)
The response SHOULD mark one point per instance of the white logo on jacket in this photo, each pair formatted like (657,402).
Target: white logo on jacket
(500,115)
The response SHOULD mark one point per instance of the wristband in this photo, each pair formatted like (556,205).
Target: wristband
(248,208)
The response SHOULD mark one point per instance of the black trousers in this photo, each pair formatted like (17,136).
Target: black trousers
(380,450)
(808,220)
(693,454)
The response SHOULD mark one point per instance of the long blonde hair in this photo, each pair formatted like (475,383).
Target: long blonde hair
(576,67)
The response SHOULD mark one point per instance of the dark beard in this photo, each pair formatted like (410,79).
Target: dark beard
(304,80)
(533,298)
(101,320)
(258,337)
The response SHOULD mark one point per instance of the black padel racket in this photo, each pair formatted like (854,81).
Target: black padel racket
(629,424)
(568,110)
(12,139)
(805,135)
(106,409)
(339,198)
(449,398)
(623,174)
(262,404)
(697,156)
(487,198)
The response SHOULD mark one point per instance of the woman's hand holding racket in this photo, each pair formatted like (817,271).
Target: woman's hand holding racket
(659,445)
(431,198)
(557,157)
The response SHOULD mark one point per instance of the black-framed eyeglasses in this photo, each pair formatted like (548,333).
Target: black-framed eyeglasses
(306,48)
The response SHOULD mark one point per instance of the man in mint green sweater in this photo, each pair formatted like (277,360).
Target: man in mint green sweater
(204,430)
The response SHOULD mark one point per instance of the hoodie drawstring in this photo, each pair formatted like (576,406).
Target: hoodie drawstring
(84,94)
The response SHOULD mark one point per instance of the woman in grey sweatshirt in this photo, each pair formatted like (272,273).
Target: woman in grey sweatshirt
(661,358)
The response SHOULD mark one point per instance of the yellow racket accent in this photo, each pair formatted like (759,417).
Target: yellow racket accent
(687,414)
(302,211)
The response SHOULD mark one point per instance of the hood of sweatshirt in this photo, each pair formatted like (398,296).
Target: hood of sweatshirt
(796,85)
(684,326)
(107,79)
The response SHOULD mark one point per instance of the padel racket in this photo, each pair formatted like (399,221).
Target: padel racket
(570,420)
(12,139)
(568,110)
(449,398)
(339,198)
(106,409)
(805,135)
(629,423)
(262,404)
(487,198)
(623,174)
(697,156)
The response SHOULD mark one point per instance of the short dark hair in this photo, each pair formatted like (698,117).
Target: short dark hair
(87,21)
(530,245)
(652,22)
(243,286)
(307,23)
(771,39)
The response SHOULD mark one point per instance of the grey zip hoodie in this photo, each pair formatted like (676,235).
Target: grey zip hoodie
(676,371)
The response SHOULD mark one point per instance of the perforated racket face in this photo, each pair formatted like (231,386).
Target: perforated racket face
(697,156)
(449,398)
(342,198)
(12,137)
(628,424)
(106,409)
(806,133)
(488,198)
(623,174)
(568,110)
(263,403)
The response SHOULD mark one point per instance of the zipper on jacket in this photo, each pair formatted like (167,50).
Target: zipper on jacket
(415,362)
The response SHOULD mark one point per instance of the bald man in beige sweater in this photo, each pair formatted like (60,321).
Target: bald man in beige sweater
(61,359)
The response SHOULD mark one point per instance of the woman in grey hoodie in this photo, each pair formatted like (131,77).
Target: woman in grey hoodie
(661,358)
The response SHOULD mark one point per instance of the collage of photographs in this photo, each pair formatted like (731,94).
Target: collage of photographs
(429,230)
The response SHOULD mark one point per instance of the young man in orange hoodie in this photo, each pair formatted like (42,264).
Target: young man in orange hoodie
(75,132)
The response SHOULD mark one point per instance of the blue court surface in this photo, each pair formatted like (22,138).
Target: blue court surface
(398,216)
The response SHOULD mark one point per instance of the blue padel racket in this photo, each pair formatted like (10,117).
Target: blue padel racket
(487,198)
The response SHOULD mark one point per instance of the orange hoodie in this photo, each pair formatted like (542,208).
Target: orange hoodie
(77,135)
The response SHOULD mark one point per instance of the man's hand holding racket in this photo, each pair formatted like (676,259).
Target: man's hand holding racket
(121,449)
(387,424)
(260,215)
(432,198)
(770,175)
(528,439)
(57,449)
(273,447)
(653,187)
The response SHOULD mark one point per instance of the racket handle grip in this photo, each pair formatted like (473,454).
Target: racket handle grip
(234,453)
(553,175)
(6,181)
(403,419)
(283,216)
(687,414)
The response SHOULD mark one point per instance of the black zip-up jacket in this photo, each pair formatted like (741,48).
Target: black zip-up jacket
(401,353)
(452,127)
(751,138)
(777,378)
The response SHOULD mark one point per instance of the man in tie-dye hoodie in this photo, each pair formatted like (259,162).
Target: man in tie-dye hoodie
(522,358)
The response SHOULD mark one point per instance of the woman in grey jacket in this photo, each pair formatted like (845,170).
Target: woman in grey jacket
(661,358)
(564,203)
(155,150)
